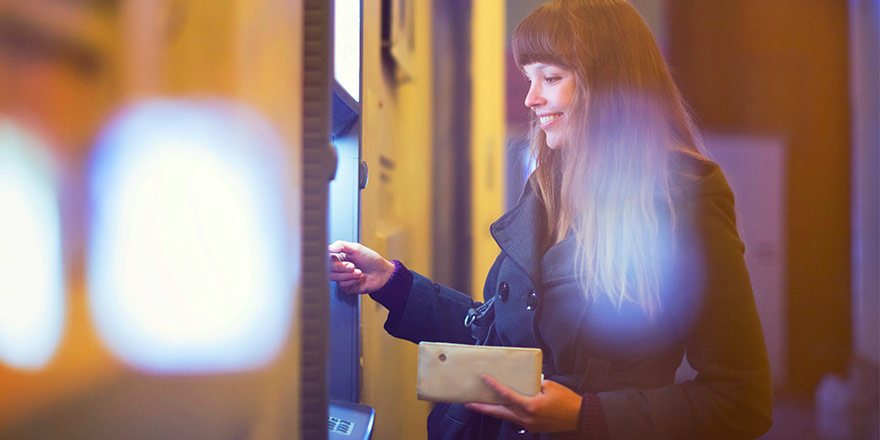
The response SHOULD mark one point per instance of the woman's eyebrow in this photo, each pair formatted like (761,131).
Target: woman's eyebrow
(539,68)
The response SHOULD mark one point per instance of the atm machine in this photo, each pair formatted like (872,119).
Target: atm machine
(347,419)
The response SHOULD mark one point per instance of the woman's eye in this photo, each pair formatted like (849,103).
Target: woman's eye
(552,79)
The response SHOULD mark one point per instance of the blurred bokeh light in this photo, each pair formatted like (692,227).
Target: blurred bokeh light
(190,265)
(32,282)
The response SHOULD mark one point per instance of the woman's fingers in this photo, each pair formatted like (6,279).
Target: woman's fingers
(508,395)
(516,407)
(336,246)
(350,286)
(344,247)
(348,277)
(497,411)
(342,277)
(554,409)
(344,271)
(343,266)
(345,276)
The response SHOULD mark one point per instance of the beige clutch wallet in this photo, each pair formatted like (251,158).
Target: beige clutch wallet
(451,372)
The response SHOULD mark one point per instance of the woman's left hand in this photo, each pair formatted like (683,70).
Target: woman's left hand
(553,409)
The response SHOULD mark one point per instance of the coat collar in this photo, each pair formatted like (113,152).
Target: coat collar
(519,233)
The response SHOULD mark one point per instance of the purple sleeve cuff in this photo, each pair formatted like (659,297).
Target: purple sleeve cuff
(394,293)
(591,420)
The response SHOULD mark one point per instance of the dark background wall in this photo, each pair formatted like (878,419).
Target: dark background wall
(780,68)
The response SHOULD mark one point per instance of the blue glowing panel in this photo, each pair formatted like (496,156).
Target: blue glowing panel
(347,45)
(32,283)
(191,263)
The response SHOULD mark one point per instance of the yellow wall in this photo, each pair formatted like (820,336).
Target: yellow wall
(396,216)
(267,66)
(488,136)
(395,213)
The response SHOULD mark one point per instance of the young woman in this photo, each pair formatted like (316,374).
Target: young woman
(620,257)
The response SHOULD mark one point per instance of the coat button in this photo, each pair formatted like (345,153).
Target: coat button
(503,290)
(532,301)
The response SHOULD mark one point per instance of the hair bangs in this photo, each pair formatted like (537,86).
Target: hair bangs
(543,37)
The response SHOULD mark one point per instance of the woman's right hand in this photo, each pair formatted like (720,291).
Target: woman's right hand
(358,269)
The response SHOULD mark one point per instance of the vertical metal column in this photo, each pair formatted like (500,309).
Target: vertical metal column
(864,52)
(452,92)
(318,168)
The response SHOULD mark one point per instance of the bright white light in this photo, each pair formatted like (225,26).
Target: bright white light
(31,272)
(347,45)
(191,266)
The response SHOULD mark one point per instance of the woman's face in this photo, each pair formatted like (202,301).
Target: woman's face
(551,89)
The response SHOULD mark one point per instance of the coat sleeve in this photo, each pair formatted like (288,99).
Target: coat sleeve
(433,313)
(731,395)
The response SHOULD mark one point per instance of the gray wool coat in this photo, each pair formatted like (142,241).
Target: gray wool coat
(629,361)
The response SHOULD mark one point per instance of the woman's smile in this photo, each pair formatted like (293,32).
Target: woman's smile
(549,119)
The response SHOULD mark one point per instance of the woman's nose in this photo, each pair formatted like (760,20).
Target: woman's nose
(533,97)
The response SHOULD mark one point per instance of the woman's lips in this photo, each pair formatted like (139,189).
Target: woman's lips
(548,120)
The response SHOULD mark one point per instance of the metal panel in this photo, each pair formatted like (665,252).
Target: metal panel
(344,366)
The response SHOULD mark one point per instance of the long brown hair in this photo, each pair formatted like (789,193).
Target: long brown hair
(627,118)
